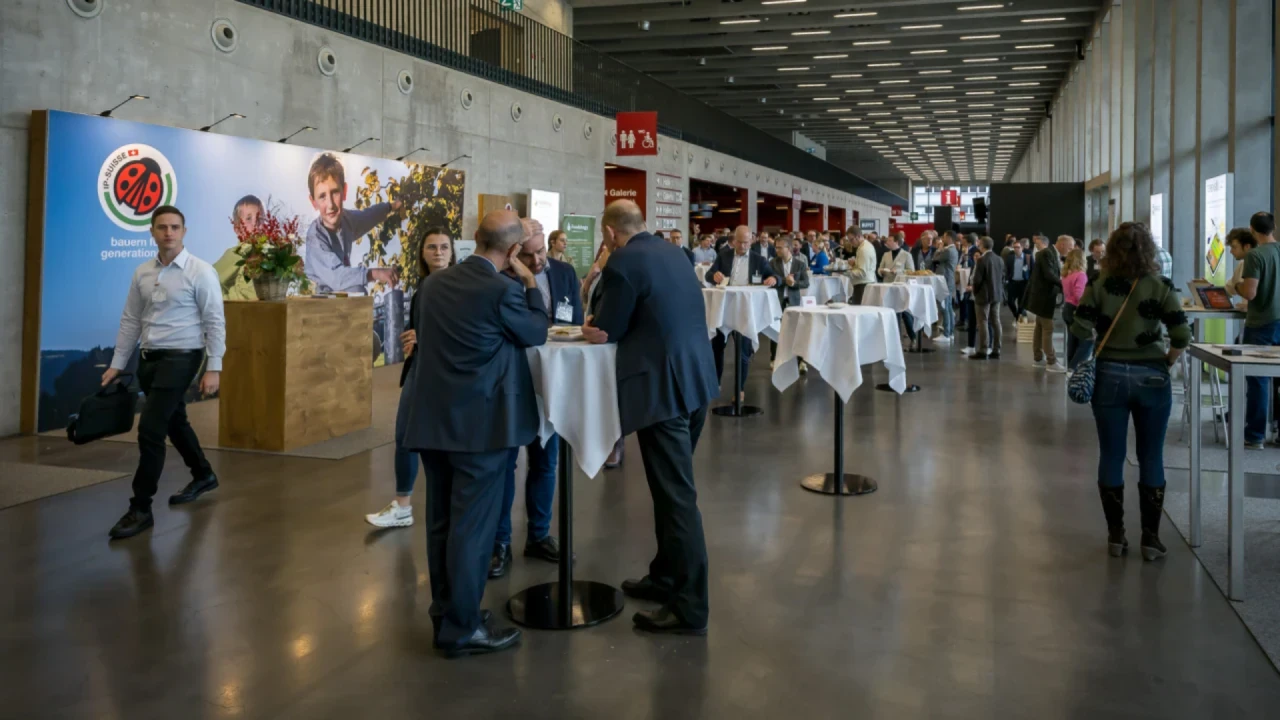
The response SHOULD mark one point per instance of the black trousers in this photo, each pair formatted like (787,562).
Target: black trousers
(858,292)
(165,377)
(680,564)
(1016,289)
(464,500)
(970,311)
(718,345)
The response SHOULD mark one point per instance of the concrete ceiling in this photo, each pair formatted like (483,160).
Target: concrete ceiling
(936,91)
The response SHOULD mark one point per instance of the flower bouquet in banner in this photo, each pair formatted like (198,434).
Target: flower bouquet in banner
(270,255)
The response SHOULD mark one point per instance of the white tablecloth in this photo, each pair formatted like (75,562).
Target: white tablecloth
(937,282)
(828,287)
(577,387)
(918,300)
(962,280)
(700,270)
(750,310)
(837,342)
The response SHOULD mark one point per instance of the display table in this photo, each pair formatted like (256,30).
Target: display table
(837,342)
(296,372)
(824,288)
(700,271)
(1237,369)
(749,311)
(577,388)
(1217,404)
(917,299)
(937,282)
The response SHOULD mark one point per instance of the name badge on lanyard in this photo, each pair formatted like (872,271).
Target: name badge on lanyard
(564,311)
(158,293)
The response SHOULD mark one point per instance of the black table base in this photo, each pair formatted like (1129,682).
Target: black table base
(567,603)
(886,387)
(839,482)
(737,409)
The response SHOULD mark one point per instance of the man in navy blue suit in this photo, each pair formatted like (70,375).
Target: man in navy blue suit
(473,405)
(558,285)
(742,265)
(650,305)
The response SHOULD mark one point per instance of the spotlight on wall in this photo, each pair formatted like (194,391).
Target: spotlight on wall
(402,157)
(643,25)
(304,128)
(702,61)
(729,79)
(353,147)
(107,113)
(455,160)
(237,116)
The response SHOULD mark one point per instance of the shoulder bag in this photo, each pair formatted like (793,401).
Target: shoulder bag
(1080,386)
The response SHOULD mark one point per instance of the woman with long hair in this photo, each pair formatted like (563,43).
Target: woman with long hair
(436,254)
(1127,303)
(1074,279)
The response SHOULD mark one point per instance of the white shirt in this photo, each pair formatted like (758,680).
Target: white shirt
(863,268)
(173,307)
(741,273)
(544,287)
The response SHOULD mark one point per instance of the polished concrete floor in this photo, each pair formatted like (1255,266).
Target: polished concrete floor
(973,584)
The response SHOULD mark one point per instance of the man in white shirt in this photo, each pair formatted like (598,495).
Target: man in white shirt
(704,253)
(862,268)
(741,266)
(174,308)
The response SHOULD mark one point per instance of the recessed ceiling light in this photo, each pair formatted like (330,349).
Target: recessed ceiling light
(962,8)
(839,110)
(979,37)
(927,52)
(1043,19)
(886,122)
(980,92)
(980,115)
(855,14)
(829,57)
(981,60)
(980,78)
(811,32)
(792,69)
(949,120)
(1024,84)
(913,107)
(862,43)
(901,97)
(980,105)
(920,27)
(1037,46)
(894,82)
(940,87)
(878,114)
(765,48)
(935,72)
(865,104)
(945,112)
(914,117)
(936,102)
(1021,97)
(1016,110)
(785,2)
(859,91)
(745,21)
(825,99)
(859,127)
(806,85)
(893,64)
(846,75)
(1032,67)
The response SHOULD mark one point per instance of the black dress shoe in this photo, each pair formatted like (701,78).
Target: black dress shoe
(485,640)
(485,617)
(545,549)
(133,522)
(501,562)
(664,621)
(644,589)
(194,489)
(994,356)
(977,356)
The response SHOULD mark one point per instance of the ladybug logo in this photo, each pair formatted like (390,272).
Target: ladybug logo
(134,181)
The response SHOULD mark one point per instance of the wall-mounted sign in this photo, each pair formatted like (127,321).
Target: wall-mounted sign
(580,241)
(915,216)
(637,133)
(666,223)
(668,196)
(544,206)
(516,5)
(896,210)
(1217,210)
(670,182)
(950,197)
(1157,219)
(795,199)
(871,225)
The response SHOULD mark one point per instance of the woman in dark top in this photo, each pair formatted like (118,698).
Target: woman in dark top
(1132,375)
(436,254)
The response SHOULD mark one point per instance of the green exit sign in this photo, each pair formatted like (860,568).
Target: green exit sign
(512,4)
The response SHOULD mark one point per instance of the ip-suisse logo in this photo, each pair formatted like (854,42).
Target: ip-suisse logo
(134,180)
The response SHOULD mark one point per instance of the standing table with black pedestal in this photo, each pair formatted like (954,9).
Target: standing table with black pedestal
(577,389)
(749,310)
(837,342)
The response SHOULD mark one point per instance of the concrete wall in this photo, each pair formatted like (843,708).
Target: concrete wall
(1170,94)
(49,58)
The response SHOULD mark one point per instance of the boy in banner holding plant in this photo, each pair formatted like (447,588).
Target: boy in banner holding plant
(244,220)
(331,235)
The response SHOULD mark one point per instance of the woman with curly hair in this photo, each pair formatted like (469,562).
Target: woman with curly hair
(1127,303)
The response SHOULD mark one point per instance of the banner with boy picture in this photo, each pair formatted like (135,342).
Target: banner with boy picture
(358,220)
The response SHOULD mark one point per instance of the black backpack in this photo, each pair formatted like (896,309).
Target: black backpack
(107,412)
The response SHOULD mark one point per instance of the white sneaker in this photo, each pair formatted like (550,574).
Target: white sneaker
(942,340)
(1057,367)
(393,515)
(1037,363)
(968,351)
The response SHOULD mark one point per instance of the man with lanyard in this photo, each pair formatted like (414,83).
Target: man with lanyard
(174,307)
(1260,285)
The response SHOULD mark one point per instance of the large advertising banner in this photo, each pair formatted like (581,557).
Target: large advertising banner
(580,241)
(362,220)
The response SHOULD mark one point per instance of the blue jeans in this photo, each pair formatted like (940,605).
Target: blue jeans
(909,321)
(948,317)
(406,461)
(1257,395)
(539,491)
(1145,392)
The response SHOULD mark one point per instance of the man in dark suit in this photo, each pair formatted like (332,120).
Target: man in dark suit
(665,382)
(794,271)
(677,238)
(742,266)
(1018,265)
(1041,300)
(763,246)
(558,285)
(987,283)
(473,405)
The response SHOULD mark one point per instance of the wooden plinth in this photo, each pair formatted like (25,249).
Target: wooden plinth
(296,372)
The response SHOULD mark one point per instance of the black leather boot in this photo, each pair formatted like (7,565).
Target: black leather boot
(1151,504)
(1113,508)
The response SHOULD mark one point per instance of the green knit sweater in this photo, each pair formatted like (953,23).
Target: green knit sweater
(1137,335)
